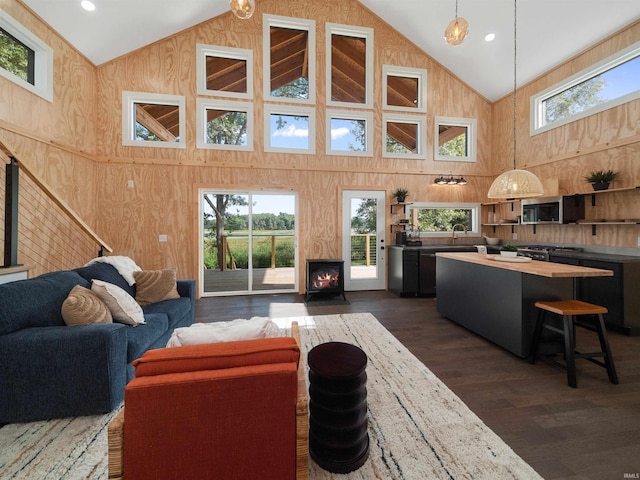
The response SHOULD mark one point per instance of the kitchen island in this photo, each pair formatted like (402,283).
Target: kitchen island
(495,299)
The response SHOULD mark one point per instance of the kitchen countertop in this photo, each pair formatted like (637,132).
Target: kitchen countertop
(535,267)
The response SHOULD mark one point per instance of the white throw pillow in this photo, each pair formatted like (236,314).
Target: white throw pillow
(239,329)
(123,307)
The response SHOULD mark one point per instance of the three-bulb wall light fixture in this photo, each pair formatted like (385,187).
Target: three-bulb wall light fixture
(450,180)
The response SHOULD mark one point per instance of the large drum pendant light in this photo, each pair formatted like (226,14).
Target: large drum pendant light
(515,183)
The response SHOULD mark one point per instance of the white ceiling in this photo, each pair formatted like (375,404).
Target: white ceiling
(549,31)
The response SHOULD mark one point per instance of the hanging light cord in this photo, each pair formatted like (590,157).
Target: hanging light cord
(515,83)
(456,8)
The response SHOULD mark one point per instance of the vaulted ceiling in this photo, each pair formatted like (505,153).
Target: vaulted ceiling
(549,31)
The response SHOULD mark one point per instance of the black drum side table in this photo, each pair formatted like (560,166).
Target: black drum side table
(338,425)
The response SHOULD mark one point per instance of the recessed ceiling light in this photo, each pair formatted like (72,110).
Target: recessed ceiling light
(489,37)
(87,5)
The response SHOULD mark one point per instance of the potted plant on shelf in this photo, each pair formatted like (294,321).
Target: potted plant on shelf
(401,194)
(508,250)
(600,179)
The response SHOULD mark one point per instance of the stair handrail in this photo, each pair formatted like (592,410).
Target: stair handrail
(54,197)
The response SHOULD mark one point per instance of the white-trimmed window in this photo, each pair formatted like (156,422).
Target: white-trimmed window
(439,219)
(349,66)
(289,52)
(349,133)
(224,125)
(289,129)
(24,58)
(224,71)
(153,120)
(607,84)
(404,89)
(404,136)
(455,139)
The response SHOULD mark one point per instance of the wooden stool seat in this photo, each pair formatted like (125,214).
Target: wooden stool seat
(591,319)
(571,307)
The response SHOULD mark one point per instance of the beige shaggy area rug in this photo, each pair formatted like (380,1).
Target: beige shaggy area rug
(418,428)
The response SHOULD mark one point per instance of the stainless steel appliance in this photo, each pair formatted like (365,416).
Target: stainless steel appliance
(562,209)
(541,252)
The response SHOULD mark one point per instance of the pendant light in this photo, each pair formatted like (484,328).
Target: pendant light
(515,183)
(457,30)
(242,9)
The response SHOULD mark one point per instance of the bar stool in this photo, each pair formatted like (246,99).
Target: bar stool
(592,319)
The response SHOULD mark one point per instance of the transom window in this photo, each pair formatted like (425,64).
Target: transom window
(607,84)
(404,136)
(153,120)
(349,133)
(290,59)
(289,129)
(25,59)
(224,125)
(224,71)
(455,139)
(439,219)
(349,66)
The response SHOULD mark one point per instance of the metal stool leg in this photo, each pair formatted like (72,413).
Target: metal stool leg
(604,346)
(569,349)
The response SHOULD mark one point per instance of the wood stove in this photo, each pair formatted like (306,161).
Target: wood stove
(325,278)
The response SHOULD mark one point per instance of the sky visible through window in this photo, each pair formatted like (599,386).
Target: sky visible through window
(295,133)
(621,80)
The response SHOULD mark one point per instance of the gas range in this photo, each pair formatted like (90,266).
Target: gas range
(541,252)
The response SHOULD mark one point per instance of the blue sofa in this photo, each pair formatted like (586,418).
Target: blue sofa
(51,370)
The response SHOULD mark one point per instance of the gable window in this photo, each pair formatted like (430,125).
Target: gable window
(404,88)
(289,129)
(224,125)
(349,66)
(24,58)
(438,219)
(404,136)
(349,133)
(290,59)
(224,71)
(455,139)
(153,120)
(605,85)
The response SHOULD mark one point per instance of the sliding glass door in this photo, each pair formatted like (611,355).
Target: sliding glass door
(248,242)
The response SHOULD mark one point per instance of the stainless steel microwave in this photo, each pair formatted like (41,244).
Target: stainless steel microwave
(561,209)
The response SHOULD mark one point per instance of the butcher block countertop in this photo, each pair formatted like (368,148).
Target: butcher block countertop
(535,267)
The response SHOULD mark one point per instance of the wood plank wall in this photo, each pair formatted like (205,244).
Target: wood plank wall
(75,143)
(57,142)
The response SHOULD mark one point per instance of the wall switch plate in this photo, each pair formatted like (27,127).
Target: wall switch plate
(129,183)
(162,237)
(515,236)
(638,242)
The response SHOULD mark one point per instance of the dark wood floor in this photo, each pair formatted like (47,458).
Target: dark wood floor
(592,432)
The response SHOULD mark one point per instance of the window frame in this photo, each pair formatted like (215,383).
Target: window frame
(289,110)
(418,73)
(42,62)
(293,24)
(203,51)
(356,32)
(129,99)
(471,124)
(421,130)
(204,104)
(475,231)
(351,115)
(609,63)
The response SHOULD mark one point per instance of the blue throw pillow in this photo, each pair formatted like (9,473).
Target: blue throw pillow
(107,273)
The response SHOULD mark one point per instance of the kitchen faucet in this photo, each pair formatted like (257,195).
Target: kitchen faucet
(453,232)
